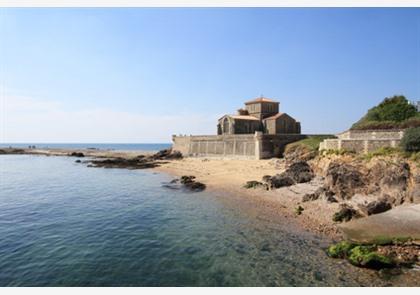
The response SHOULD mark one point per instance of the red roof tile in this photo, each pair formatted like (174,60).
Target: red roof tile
(261,99)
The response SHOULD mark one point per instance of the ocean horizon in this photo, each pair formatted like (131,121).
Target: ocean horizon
(149,147)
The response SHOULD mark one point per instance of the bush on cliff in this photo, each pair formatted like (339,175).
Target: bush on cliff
(411,140)
(393,112)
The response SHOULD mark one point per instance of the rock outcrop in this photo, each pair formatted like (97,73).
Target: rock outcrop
(186,182)
(298,172)
(344,180)
(139,162)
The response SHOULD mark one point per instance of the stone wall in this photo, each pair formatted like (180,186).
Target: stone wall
(255,146)
(372,134)
(362,141)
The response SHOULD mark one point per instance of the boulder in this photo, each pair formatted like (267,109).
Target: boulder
(346,213)
(375,207)
(300,172)
(280,180)
(343,180)
(189,183)
(253,184)
(390,179)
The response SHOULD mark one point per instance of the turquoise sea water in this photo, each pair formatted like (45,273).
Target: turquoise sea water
(101,146)
(63,224)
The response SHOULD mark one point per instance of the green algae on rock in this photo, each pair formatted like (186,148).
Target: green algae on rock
(340,250)
(361,256)
(366,256)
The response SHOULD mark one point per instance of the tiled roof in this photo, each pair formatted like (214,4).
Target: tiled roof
(239,117)
(275,116)
(261,99)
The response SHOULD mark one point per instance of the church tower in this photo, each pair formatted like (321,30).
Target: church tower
(262,107)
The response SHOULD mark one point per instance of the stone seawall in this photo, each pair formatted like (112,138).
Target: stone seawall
(254,146)
(363,141)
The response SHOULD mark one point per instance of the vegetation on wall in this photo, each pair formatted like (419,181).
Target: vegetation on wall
(392,113)
(411,140)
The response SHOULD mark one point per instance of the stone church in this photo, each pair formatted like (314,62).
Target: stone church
(261,114)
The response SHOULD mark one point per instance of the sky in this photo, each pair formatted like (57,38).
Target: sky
(133,75)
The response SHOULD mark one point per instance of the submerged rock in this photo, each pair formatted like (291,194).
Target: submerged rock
(186,182)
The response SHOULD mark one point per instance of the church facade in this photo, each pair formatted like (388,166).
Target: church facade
(262,115)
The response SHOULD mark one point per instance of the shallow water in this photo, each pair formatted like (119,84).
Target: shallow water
(63,224)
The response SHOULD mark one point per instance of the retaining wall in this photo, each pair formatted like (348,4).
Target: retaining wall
(363,141)
(254,146)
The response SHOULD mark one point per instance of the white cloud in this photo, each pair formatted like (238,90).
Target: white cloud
(27,119)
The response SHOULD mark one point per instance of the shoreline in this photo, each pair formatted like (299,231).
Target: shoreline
(220,179)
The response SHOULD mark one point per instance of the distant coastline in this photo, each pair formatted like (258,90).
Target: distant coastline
(149,147)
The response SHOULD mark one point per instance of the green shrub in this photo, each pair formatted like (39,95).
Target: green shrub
(392,113)
(411,140)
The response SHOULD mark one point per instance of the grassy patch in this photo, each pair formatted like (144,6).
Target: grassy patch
(311,143)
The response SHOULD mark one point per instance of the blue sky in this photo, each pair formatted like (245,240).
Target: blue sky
(142,74)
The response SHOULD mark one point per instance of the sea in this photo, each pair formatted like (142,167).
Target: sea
(65,224)
(149,147)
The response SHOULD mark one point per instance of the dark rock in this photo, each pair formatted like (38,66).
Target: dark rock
(375,207)
(134,163)
(280,180)
(266,178)
(76,154)
(343,180)
(167,154)
(186,182)
(329,197)
(253,184)
(314,196)
(390,179)
(300,172)
(195,186)
(78,161)
(187,179)
(346,213)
